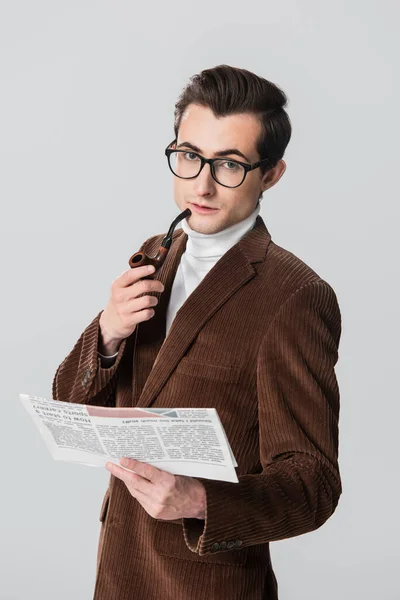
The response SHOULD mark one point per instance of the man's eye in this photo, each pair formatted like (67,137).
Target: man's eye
(231,166)
(188,156)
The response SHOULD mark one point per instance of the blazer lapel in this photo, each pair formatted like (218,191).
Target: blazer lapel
(150,335)
(229,274)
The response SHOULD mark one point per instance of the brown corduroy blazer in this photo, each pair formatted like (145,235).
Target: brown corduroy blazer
(258,340)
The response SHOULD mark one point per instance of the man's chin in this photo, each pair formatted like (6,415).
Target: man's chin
(206,226)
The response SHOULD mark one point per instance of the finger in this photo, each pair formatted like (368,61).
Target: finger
(143,469)
(141,287)
(132,275)
(145,286)
(126,475)
(131,481)
(137,304)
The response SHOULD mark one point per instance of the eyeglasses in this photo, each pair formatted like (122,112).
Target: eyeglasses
(186,164)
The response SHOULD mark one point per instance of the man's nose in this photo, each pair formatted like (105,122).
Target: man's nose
(204,183)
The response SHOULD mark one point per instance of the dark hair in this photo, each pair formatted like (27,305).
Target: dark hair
(228,90)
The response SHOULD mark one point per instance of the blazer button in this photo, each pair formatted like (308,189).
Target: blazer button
(215,547)
(231,544)
(223,546)
(238,543)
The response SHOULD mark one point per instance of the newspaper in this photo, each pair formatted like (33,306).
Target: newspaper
(182,441)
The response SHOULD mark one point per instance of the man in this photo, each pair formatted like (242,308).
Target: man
(231,321)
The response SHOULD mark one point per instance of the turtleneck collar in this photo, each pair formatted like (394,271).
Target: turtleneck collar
(208,245)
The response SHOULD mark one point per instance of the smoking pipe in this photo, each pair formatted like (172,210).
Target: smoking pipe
(139,259)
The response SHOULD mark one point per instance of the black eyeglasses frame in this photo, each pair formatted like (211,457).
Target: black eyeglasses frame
(247,167)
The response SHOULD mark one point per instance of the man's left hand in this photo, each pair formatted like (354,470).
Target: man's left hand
(162,495)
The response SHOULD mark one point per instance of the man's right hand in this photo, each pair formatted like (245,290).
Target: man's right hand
(124,309)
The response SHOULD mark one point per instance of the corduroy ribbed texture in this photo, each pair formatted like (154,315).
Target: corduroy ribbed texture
(258,340)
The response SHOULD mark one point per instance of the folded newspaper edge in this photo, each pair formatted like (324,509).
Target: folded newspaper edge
(182,441)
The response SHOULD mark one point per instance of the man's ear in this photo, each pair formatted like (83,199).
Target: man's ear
(272,176)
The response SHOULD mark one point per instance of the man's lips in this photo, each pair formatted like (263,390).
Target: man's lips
(203,207)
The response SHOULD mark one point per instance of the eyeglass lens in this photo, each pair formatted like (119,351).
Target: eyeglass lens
(188,164)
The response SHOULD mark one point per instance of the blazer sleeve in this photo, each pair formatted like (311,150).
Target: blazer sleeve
(80,378)
(299,484)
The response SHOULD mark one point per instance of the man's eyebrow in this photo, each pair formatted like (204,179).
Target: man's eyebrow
(220,153)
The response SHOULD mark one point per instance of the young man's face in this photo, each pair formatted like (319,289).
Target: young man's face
(212,135)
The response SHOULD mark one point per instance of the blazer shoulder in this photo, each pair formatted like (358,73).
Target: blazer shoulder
(289,272)
(294,285)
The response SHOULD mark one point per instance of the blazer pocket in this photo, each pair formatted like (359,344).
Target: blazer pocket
(104,506)
(225,373)
(169,541)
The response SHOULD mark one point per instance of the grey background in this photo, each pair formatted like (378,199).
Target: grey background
(86,106)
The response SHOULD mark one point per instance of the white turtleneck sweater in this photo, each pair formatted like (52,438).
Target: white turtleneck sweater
(202,251)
